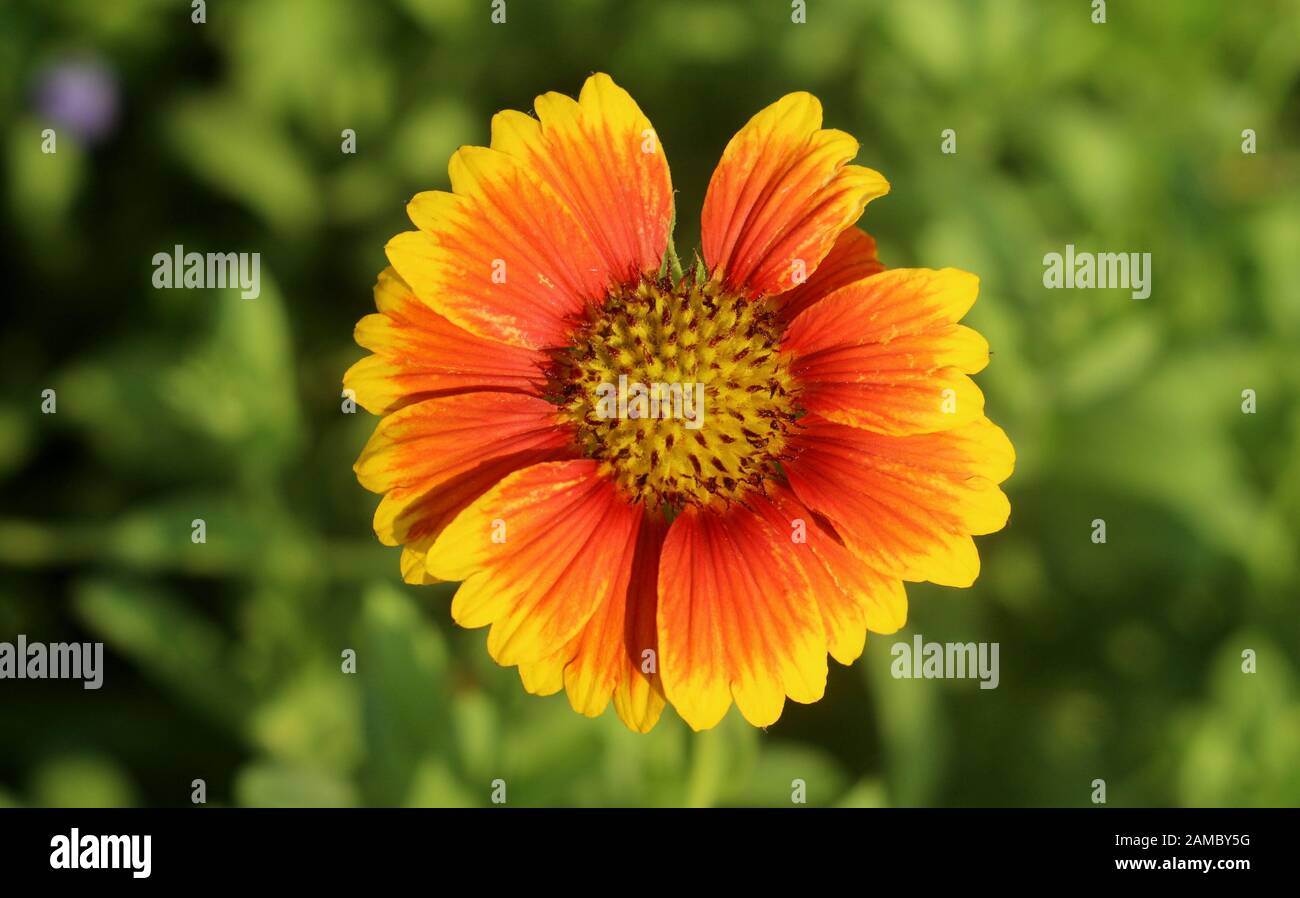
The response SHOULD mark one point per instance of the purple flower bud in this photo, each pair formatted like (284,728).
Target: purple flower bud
(79,96)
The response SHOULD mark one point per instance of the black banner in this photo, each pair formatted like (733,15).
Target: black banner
(221,846)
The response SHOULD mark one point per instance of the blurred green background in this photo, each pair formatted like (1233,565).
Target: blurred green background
(1119,661)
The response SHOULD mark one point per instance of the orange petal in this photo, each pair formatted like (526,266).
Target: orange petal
(539,554)
(886,353)
(617,651)
(852,597)
(502,255)
(544,222)
(780,196)
(907,506)
(601,155)
(736,620)
(639,697)
(852,258)
(419,354)
(433,458)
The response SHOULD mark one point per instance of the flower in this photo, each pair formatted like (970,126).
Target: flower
(653,558)
(80,95)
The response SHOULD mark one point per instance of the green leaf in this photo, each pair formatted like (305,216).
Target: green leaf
(402,667)
(165,638)
(249,159)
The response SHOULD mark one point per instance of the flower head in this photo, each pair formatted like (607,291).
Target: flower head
(80,95)
(664,487)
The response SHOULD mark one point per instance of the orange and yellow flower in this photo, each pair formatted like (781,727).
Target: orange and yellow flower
(843,447)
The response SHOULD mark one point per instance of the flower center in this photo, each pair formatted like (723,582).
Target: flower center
(681,391)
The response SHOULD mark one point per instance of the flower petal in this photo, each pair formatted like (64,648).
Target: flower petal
(544,222)
(886,354)
(617,650)
(539,554)
(419,354)
(852,258)
(433,458)
(601,155)
(545,677)
(907,506)
(852,597)
(639,697)
(736,619)
(609,656)
(780,196)
(502,255)
(412,563)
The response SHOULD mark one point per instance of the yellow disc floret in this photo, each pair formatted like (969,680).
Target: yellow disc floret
(681,391)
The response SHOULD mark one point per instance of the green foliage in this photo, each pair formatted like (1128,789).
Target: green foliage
(1120,661)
